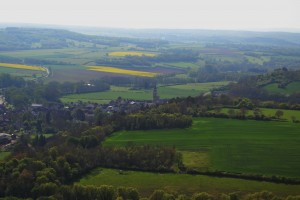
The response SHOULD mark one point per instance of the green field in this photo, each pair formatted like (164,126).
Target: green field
(114,93)
(269,112)
(165,92)
(72,56)
(21,72)
(183,65)
(246,146)
(146,183)
(258,60)
(290,88)
(287,114)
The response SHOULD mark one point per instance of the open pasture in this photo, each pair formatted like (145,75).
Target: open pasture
(260,60)
(165,92)
(287,114)
(43,53)
(289,89)
(112,94)
(245,146)
(183,65)
(131,53)
(204,87)
(147,182)
(191,89)
(69,56)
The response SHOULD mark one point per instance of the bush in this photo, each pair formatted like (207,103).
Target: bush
(202,196)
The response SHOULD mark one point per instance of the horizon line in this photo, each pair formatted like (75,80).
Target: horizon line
(35,25)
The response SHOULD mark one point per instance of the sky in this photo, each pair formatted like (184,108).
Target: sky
(194,14)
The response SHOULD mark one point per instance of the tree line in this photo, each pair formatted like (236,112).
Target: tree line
(148,120)
(106,192)
(21,93)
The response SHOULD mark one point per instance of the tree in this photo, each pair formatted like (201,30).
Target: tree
(78,114)
(279,114)
(231,113)
(128,193)
(51,91)
(202,196)
(257,113)
(99,116)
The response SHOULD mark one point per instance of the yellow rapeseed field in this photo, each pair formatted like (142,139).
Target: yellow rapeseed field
(131,53)
(121,71)
(20,66)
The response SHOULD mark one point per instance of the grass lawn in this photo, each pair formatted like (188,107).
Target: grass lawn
(147,182)
(253,147)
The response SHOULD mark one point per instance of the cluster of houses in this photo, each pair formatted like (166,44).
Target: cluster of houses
(7,140)
(115,106)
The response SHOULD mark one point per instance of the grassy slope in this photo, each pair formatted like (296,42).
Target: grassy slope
(182,183)
(290,88)
(287,114)
(269,148)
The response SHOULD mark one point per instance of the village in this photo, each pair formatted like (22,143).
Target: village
(33,117)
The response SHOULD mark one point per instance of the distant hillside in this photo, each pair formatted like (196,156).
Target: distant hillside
(280,81)
(12,38)
(281,77)
(203,36)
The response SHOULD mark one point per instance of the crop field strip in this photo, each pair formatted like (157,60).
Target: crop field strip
(244,146)
(121,71)
(131,53)
(20,66)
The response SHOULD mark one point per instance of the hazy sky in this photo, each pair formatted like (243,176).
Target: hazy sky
(208,14)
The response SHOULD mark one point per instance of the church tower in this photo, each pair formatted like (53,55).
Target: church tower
(155,95)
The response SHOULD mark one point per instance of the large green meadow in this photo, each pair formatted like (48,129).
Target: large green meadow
(165,92)
(244,146)
(147,182)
